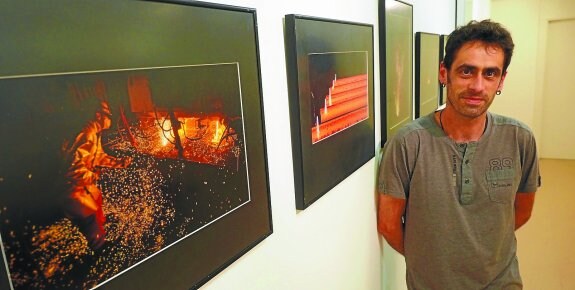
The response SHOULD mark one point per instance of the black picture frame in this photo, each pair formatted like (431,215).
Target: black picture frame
(396,66)
(175,216)
(325,56)
(442,44)
(427,87)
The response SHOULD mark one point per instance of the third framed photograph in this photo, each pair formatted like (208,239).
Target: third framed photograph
(330,78)
(427,86)
(396,62)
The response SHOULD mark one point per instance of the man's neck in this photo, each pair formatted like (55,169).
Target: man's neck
(459,128)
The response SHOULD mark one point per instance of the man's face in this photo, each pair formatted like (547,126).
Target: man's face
(475,76)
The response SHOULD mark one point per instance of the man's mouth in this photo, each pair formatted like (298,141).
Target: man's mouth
(473,100)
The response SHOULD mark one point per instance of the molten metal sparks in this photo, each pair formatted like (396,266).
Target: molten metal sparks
(57,247)
(148,206)
(202,140)
(135,205)
(218,131)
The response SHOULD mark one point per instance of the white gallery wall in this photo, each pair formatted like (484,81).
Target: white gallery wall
(333,244)
(539,82)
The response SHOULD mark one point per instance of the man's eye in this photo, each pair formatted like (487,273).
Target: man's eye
(466,71)
(490,74)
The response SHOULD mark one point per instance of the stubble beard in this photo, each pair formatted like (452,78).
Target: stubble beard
(465,110)
(469,111)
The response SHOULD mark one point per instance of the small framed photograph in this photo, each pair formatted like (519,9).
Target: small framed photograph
(330,78)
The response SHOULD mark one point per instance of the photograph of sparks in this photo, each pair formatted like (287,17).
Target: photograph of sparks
(133,151)
(103,170)
(330,84)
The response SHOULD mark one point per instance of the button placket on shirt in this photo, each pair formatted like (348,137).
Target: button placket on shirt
(466,194)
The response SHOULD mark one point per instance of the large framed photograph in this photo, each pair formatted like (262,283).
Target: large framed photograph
(330,79)
(133,145)
(442,44)
(427,88)
(396,66)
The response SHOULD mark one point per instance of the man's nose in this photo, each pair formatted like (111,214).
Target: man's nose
(477,83)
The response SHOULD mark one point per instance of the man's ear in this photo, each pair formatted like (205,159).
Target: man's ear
(442,73)
(501,81)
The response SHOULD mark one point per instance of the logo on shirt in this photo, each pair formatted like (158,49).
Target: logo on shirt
(501,184)
(501,163)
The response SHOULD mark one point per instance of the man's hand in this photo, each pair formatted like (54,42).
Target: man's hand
(523,207)
(390,220)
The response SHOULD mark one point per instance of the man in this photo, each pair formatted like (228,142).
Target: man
(83,204)
(456,184)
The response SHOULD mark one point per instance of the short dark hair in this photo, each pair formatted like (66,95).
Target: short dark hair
(485,31)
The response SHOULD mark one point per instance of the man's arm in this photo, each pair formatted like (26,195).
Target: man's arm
(389,220)
(523,207)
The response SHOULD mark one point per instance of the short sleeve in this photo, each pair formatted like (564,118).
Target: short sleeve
(530,176)
(393,176)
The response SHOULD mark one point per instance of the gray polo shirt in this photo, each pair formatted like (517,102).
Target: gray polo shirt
(460,218)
